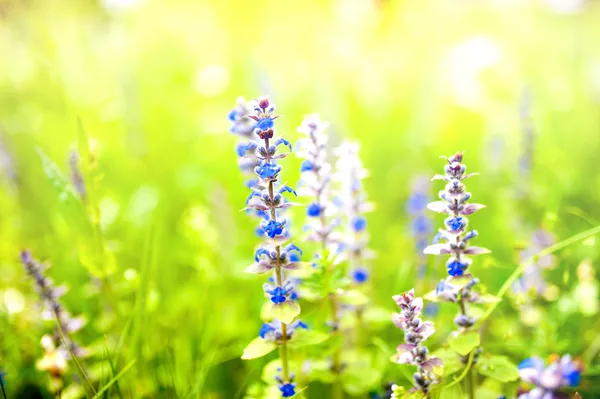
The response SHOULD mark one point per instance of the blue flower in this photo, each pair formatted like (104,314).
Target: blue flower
(264,124)
(265,329)
(456,268)
(233,115)
(360,275)
(273,228)
(417,202)
(306,166)
(287,390)
(456,223)
(421,225)
(267,170)
(294,257)
(313,210)
(359,223)
(278,295)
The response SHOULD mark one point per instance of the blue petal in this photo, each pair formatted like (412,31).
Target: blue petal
(283,141)
(359,223)
(260,252)
(313,210)
(306,166)
(287,189)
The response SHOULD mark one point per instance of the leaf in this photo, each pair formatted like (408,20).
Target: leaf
(451,359)
(498,367)
(257,268)
(438,206)
(437,249)
(359,380)
(284,312)
(353,297)
(258,347)
(465,342)
(303,337)
(56,177)
(432,296)
(414,395)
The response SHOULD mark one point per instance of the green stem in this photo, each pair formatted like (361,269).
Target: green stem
(471,384)
(279,276)
(547,251)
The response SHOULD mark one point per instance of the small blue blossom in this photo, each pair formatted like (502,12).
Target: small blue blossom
(265,329)
(267,170)
(456,268)
(455,223)
(294,257)
(360,275)
(359,223)
(417,202)
(313,210)
(421,225)
(287,390)
(273,228)
(278,295)
(264,124)
(306,166)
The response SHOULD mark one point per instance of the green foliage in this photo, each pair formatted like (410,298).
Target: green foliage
(154,257)
(464,342)
(498,367)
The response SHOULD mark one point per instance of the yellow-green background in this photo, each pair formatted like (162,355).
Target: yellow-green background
(153,84)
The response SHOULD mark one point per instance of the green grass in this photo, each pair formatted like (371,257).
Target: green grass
(152,86)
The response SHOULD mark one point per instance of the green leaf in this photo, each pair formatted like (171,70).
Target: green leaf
(451,360)
(359,380)
(258,347)
(498,367)
(413,395)
(284,312)
(303,337)
(56,177)
(353,297)
(464,343)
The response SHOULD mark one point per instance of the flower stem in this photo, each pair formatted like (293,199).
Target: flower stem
(471,384)
(2,386)
(279,277)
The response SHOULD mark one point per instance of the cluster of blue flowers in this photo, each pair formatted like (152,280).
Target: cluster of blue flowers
(353,202)
(549,380)
(315,182)
(268,201)
(243,126)
(421,225)
(454,202)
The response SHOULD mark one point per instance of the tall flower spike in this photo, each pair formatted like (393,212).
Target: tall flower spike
(354,206)
(267,197)
(454,202)
(416,331)
(77,179)
(315,182)
(243,126)
(421,225)
(56,354)
(549,380)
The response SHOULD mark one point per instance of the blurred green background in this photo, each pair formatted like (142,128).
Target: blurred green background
(511,82)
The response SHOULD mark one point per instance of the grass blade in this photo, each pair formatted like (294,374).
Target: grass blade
(114,379)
